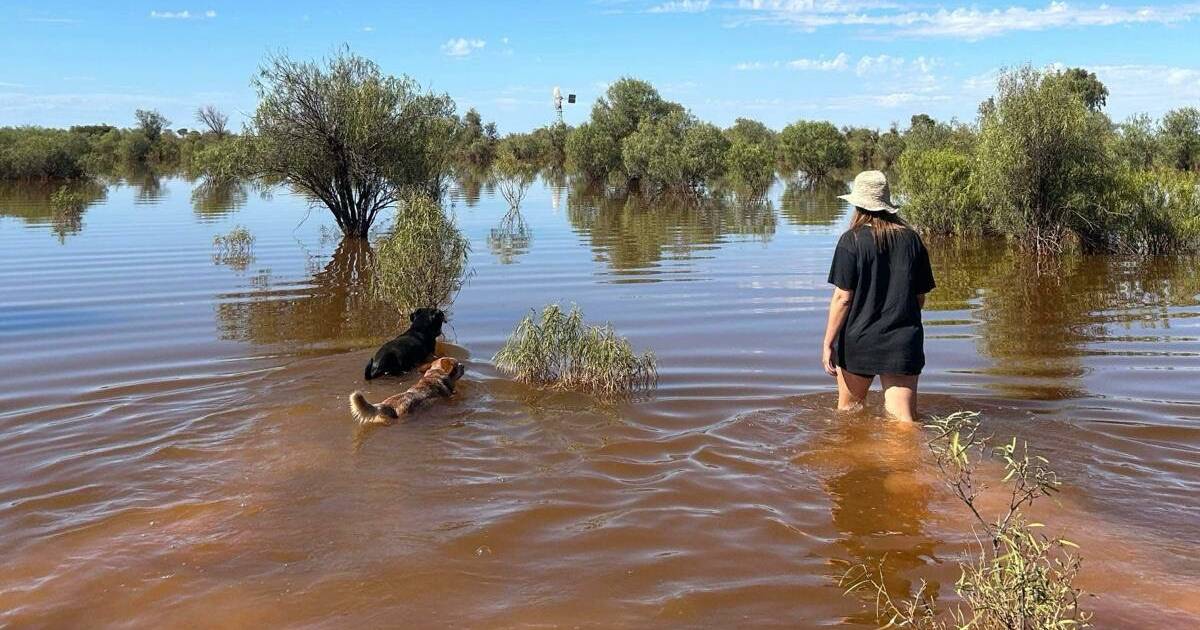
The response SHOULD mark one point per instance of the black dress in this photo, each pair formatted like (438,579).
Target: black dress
(883,332)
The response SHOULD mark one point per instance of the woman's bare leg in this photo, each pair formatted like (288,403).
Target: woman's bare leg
(900,396)
(852,389)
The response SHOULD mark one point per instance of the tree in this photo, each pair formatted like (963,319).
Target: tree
(750,158)
(1086,86)
(1179,133)
(863,144)
(814,148)
(151,123)
(890,147)
(350,136)
(214,119)
(1137,146)
(1042,163)
(595,147)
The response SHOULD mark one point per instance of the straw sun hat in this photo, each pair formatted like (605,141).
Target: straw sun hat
(870,192)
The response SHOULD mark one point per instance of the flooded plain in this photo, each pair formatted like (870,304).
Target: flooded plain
(175,448)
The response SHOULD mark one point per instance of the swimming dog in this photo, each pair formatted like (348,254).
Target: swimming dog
(409,349)
(438,381)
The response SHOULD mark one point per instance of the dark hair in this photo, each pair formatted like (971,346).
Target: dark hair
(884,225)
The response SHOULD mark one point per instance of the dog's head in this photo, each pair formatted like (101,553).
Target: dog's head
(428,320)
(452,369)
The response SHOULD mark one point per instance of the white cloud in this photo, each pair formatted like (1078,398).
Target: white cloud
(680,6)
(183,15)
(962,23)
(461,46)
(368,29)
(840,62)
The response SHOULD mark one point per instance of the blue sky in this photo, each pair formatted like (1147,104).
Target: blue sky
(865,63)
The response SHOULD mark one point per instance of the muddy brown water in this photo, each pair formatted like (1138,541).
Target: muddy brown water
(175,448)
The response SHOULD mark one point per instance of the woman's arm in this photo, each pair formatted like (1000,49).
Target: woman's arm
(839,308)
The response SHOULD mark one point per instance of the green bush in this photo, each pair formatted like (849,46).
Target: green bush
(814,148)
(938,194)
(1161,211)
(34,153)
(1179,136)
(1043,163)
(750,159)
(596,148)
(422,261)
(674,152)
(562,351)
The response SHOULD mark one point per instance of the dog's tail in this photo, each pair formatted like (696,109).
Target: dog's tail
(366,413)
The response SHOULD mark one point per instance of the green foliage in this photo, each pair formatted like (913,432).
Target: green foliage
(864,144)
(422,261)
(750,160)
(1084,85)
(1019,577)
(814,148)
(234,249)
(476,142)
(544,146)
(1179,134)
(596,148)
(562,351)
(1161,211)
(674,152)
(890,147)
(938,192)
(1137,145)
(350,136)
(151,123)
(1043,163)
(513,176)
(35,153)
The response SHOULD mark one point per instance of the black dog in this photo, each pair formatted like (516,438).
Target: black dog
(410,349)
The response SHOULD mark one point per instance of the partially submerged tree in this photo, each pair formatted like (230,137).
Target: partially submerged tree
(422,261)
(349,135)
(813,147)
(151,122)
(1179,135)
(214,119)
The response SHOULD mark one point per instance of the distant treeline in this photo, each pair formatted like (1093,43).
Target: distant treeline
(1042,163)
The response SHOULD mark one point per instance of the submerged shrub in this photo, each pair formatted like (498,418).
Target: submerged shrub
(34,153)
(422,261)
(234,248)
(1043,163)
(750,160)
(562,351)
(1020,577)
(938,193)
(1161,211)
(814,148)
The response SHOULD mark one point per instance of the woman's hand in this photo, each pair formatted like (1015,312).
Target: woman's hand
(827,361)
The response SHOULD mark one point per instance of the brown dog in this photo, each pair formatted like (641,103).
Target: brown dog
(437,382)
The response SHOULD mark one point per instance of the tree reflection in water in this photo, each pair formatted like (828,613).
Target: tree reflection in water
(214,198)
(1036,322)
(633,232)
(805,205)
(333,309)
(32,204)
(510,238)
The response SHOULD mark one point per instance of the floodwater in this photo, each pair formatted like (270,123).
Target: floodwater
(175,448)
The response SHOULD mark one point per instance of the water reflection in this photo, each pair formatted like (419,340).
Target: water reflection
(633,232)
(34,204)
(804,205)
(334,309)
(880,504)
(213,199)
(510,238)
(469,185)
(1036,324)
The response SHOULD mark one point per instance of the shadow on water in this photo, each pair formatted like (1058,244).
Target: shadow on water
(631,232)
(1037,326)
(333,309)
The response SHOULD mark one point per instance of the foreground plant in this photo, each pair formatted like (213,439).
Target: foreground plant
(1020,578)
(562,351)
(234,248)
(422,261)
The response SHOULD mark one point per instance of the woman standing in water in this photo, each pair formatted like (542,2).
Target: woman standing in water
(880,274)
